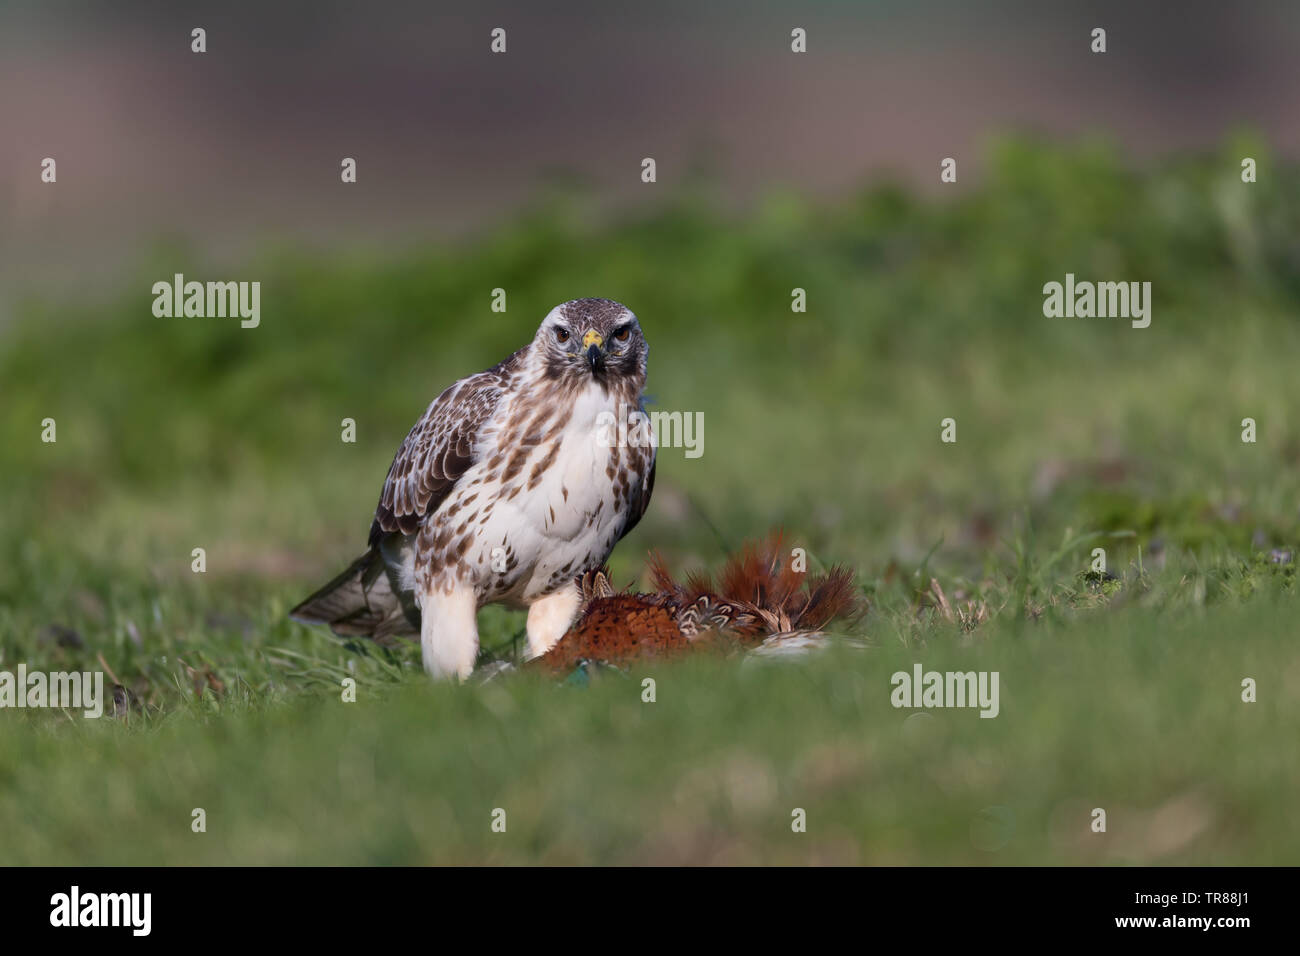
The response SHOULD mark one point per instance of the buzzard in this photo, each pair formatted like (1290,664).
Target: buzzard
(509,489)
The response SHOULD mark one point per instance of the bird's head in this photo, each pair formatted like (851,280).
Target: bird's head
(592,339)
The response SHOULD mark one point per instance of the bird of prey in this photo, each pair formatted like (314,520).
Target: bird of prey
(510,488)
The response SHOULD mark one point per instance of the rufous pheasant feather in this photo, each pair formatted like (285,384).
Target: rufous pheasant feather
(758,598)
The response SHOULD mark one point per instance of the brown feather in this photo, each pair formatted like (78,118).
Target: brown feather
(759,595)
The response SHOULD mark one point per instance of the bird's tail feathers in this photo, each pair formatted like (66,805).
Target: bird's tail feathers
(367,599)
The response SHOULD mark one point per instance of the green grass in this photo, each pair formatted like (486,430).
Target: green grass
(1121,692)
(1137,713)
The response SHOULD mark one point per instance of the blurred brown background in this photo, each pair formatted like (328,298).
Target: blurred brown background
(244,142)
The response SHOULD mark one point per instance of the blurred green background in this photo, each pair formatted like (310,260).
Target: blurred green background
(923,304)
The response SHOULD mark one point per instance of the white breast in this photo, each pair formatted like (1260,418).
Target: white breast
(564,523)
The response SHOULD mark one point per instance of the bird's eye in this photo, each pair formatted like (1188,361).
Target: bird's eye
(622,334)
(561,335)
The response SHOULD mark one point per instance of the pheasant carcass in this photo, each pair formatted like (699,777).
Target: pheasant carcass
(759,603)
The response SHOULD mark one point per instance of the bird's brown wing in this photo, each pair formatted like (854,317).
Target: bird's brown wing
(638,508)
(439,449)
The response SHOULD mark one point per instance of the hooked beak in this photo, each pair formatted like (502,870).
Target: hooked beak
(592,342)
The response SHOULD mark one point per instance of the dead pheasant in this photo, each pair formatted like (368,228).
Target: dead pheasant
(759,598)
